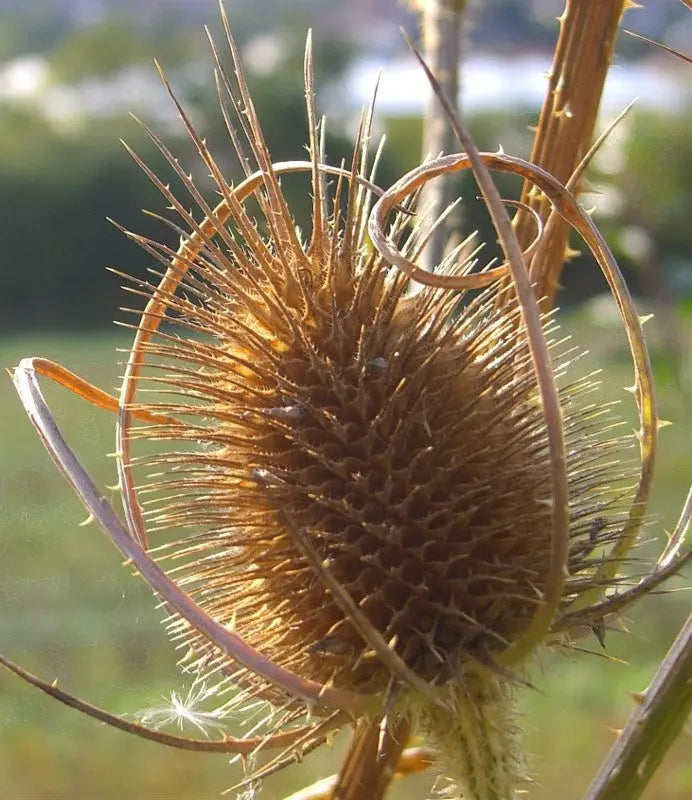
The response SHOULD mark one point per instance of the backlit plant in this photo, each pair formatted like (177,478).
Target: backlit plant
(372,507)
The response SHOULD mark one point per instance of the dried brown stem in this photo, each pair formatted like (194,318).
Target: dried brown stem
(371,760)
(412,760)
(582,56)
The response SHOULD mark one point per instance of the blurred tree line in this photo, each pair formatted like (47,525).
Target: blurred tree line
(61,178)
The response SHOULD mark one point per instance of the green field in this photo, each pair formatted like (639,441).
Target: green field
(70,610)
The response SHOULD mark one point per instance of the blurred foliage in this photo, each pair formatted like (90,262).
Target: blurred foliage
(100,50)
(34,30)
(643,207)
(658,164)
(61,177)
(55,193)
(651,191)
(60,180)
(638,182)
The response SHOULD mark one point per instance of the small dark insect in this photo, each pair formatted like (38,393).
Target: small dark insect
(332,645)
(596,527)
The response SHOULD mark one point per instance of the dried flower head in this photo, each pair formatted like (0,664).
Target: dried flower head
(369,506)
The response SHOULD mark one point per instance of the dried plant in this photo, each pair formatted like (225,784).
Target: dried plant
(371,509)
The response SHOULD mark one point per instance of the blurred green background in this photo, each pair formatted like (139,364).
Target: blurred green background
(69,71)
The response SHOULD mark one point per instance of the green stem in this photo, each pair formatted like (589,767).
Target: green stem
(475,741)
(652,728)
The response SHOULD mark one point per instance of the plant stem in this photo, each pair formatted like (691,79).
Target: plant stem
(371,760)
(583,53)
(441,23)
(652,728)
(476,739)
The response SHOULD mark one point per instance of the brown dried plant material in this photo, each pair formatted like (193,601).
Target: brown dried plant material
(565,131)
(355,495)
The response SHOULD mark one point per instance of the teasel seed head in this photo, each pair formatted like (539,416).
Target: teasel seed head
(358,482)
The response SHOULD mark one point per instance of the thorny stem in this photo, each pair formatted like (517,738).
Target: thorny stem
(652,728)
(477,744)
(582,56)
(227,744)
(618,603)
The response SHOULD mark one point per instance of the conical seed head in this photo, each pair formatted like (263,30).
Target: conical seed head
(403,440)
(399,441)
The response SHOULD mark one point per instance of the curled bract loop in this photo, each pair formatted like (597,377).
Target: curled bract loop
(389,250)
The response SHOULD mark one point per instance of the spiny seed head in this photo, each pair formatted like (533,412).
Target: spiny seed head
(399,440)
(406,444)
